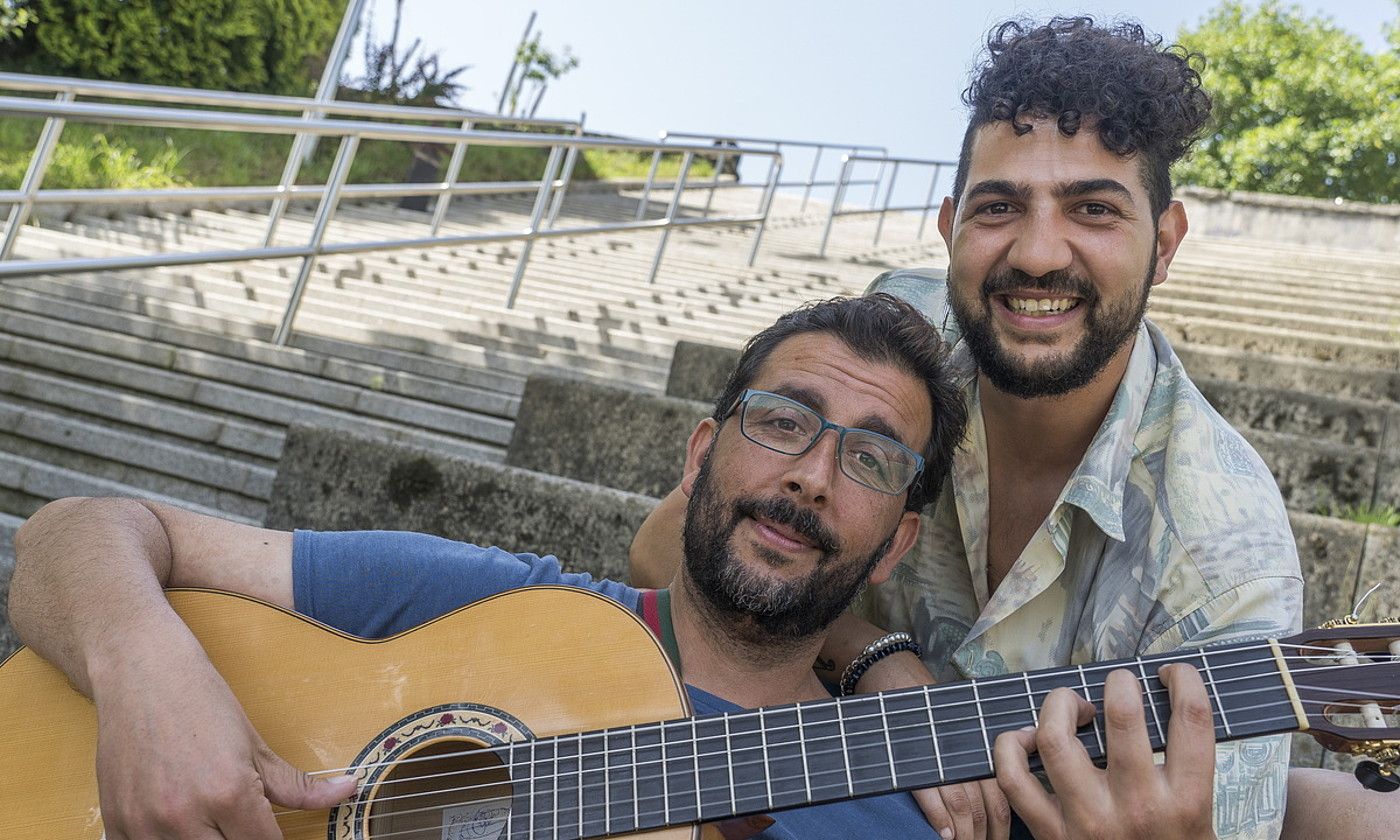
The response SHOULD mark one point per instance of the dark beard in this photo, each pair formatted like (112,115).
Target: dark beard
(1105,332)
(758,609)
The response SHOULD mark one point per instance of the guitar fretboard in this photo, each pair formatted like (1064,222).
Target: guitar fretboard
(756,761)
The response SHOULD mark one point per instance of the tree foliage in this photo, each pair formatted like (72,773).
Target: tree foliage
(1301,108)
(405,77)
(262,46)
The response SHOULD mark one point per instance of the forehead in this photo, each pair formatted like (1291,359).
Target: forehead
(1044,157)
(852,390)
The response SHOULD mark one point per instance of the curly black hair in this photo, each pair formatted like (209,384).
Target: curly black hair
(1140,98)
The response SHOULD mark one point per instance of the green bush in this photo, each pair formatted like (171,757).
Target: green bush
(260,46)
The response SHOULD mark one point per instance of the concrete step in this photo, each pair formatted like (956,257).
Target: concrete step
(44,481)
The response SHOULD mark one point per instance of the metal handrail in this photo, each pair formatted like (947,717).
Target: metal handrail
(844,180)
(351,133)
(266,102)
(778,144)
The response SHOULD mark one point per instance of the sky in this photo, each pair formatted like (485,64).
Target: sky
(884,72)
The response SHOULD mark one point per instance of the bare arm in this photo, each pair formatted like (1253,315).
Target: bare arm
(86,594)
(1327,803)
(655,555)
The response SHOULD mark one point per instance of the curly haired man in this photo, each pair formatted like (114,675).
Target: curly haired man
(1098,507)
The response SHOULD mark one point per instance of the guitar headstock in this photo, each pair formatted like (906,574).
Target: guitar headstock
(1346,675)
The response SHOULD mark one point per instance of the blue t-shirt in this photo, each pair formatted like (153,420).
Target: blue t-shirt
(377,583)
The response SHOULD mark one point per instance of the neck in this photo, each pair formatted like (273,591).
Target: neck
(731,657)
(1043,434)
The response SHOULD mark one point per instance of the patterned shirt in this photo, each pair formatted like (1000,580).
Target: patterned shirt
(1170,533)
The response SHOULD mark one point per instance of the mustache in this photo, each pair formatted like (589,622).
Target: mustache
(783,512)
(1056,282)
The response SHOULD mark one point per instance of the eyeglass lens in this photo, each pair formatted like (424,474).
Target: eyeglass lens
(790,427)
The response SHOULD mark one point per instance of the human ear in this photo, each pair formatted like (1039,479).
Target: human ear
(906,534)
(696,448)
(1171,229)
(945,220)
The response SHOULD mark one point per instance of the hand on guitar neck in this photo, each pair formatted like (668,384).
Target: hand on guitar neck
(1133,797)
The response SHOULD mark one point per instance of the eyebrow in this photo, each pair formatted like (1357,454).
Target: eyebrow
(998,187)
(1076,189)
(815,401)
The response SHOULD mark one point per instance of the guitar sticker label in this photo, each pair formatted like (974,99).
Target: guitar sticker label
(484,820)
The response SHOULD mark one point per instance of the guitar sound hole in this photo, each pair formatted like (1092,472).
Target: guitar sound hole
(448,789)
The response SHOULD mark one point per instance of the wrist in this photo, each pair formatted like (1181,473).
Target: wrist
(882,648)
(898,670)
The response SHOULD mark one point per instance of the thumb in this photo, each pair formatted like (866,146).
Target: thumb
(289,787)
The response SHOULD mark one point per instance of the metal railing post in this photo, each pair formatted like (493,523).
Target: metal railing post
(339,172)
(646,190)
(775,174)
(454,168)
(836,201)
(811,179)
(33,177)
(670,216)
(289,176)
(551,170)
(714,182)
(928,200)
(875,187)
(569,160)
(889,192)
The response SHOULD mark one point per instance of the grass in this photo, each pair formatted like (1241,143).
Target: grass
(124,156)
(1366,514)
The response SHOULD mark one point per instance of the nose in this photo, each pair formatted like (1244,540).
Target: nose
(1040,246)
(809,476)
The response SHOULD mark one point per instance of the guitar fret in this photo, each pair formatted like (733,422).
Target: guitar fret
(1030,699)
(510,771)
(635,773)
(665,781)
(802,744)
(933,730)
(1148,697)
(767,766)
(841,725)
(555,805)
(1098,733)
(889,747)
(981,724)
(695,754)
(729,765)
(580,783)
(682,798)
(650,764)
(1215,693)
(531,799)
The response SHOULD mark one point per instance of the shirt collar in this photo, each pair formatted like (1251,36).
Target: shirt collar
(1098,483)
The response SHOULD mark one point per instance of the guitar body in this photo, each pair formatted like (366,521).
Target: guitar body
(527,664)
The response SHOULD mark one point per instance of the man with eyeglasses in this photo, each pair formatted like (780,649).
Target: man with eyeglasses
(804,485)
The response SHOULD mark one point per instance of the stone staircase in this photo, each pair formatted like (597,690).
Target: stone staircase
(164,383)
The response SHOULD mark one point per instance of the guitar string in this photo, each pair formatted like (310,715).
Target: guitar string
(530,812)
(929,691)
(1156,695)
(651,811)
(980,719)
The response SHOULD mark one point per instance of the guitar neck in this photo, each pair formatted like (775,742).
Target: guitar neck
(754,761)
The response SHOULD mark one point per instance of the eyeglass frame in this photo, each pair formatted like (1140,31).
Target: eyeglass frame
(841,431)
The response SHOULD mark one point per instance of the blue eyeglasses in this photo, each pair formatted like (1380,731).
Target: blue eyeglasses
(877,461)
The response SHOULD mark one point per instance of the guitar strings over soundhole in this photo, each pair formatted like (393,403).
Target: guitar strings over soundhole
(445,789)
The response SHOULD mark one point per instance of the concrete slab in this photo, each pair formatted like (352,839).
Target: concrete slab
(700,371)
(331,480)
(617,437)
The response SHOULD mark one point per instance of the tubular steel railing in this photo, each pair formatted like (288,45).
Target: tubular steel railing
(351,133)
(843,182)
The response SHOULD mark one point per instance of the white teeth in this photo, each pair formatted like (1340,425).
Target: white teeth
(1040,306)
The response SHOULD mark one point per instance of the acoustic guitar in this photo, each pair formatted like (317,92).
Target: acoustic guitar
(553,713)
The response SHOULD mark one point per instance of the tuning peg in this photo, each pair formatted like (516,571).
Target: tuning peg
(1374,776)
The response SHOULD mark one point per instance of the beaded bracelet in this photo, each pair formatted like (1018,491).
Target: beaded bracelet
(875,651)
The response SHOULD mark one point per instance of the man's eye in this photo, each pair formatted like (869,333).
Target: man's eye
(1094,208)
(996,208)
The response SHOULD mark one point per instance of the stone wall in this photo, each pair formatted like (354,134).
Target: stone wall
(1283,218)
(603,434)
(332,480)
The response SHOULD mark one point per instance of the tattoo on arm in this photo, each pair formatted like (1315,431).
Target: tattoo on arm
(825,666)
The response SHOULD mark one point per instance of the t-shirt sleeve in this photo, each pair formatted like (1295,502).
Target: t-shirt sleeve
(374,584)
